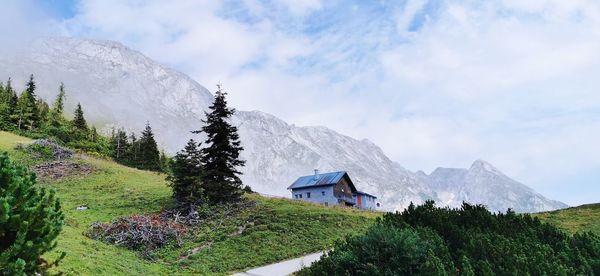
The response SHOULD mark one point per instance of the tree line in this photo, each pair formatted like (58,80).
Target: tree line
(27,114)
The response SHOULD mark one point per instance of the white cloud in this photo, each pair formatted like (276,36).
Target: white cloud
(434,83)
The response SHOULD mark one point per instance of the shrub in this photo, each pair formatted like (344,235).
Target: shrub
(30,220)
(426,240)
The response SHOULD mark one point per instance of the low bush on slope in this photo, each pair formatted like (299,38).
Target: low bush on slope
(426,240)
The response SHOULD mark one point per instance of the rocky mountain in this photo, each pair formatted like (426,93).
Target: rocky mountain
(121,87)
(485,184)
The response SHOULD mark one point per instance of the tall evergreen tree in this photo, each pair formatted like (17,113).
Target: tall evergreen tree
(44,110)
(120,145)
(56,113)
(94,135)
(13,100)
(186,175)
(4,108)
(221,158)
(27,108)
(78,120)
(149,158)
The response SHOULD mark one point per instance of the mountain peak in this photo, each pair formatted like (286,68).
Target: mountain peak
(482,165)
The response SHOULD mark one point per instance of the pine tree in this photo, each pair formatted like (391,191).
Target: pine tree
(27,112)
(78,120)
(44,110)
(221,157)
(30,220)
(94,135)
(133,154)
(186,175)
(56,113)
(13,101)
(149,158)
(120,145)
(4,108)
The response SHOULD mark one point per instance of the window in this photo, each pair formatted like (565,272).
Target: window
(323,193)
(300,195)
(296,196)
(326,203)
(308,195)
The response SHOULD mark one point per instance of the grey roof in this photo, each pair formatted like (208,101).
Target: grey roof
(323,179)
(363,193)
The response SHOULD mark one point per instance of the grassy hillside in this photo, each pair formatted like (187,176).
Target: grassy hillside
(575,219)
(269,231)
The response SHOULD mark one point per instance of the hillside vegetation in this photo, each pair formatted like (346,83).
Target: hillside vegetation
(429,240)
(269,230)
(575,219)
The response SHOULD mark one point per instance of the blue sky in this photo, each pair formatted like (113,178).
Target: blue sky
(434,83)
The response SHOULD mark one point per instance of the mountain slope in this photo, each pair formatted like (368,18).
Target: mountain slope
(268,231)
(120,87)
(575,219)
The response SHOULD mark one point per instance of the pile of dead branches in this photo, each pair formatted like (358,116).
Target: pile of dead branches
(139,232)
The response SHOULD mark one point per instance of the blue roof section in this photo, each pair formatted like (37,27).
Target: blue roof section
(322,179)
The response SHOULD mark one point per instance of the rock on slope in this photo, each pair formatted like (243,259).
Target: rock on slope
(119,86)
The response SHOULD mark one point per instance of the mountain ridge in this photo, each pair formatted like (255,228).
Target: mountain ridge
(121,87)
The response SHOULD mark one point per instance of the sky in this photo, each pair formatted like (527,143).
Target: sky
(433,83)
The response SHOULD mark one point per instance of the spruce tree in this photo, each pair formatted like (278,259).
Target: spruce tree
(186,175)
(4,107)
(56,113)
(44,110)
(13,101)
(30,220)
(149,156)
(120,145)
(27,112)
(94,135)
(221,158)
(78,120)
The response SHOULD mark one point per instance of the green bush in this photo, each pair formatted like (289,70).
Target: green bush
(30,220)
(426,240)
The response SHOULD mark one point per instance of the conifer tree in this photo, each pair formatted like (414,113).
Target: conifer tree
(94,135)
(27,112)
(134,151)
(120,145)
(13,101)
(44,110)
(78,120)
(30,220)
(186,175)
(149,156)
(221,158)
(4,108)
(56,113)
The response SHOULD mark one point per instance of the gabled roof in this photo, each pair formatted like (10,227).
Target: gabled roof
(323,179)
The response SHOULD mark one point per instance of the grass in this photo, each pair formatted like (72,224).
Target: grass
(271,230)
(575,219)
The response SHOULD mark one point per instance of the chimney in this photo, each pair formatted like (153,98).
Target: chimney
(316,174)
